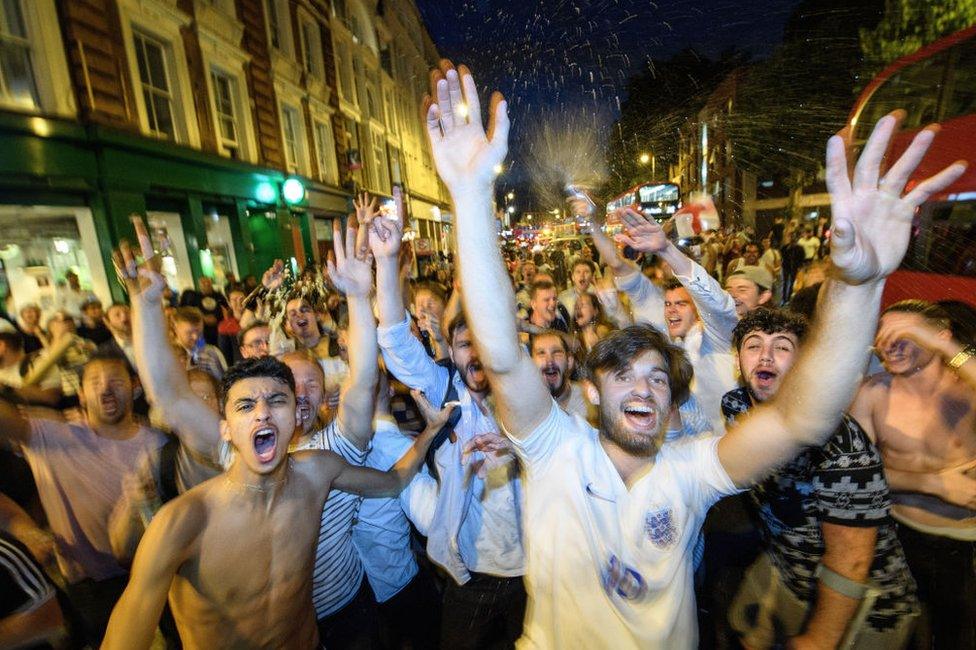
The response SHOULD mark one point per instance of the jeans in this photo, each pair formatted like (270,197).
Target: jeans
(485,612)
(354,626)
(412,618)
(945,570)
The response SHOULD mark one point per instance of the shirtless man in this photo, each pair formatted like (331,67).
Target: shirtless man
(254,516)
(922,414)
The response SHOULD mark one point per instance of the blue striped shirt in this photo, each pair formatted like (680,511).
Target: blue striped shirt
(338,570)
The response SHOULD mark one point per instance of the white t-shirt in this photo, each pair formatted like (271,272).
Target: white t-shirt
(608,567)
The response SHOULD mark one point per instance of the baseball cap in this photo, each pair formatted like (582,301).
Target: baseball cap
(760,276)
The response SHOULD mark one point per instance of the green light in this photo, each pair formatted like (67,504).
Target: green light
(293,191)
(265,192)
(206,263)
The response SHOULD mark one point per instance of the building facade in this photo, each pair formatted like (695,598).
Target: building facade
(707,163)
(194,114)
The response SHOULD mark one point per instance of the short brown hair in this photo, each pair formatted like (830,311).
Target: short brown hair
(619,348)
(540,285)
(187,315)
(930,311)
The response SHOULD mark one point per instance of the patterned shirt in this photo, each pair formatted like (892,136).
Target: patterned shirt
(840,483)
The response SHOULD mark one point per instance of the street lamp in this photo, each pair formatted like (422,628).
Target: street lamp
(510,196)
(650,158)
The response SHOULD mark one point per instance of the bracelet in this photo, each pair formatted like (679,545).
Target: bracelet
(962,357)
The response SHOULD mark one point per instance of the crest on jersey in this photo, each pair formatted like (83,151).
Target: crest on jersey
(660,528)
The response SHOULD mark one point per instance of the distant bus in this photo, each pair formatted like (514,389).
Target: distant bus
(935,84)
(658,200)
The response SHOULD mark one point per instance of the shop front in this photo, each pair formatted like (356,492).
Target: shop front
(67,193)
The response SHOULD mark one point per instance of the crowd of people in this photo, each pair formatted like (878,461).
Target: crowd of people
(634,445)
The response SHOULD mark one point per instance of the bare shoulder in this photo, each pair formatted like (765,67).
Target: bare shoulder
(178,524)
(873,388)
(318,466)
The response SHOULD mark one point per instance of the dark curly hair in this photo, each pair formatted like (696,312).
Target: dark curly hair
(770,321)
(248,368)
(619,348)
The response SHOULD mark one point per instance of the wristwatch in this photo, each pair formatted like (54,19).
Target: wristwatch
(962,357)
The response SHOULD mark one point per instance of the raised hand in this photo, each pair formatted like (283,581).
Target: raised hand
(435,417)
(352,271)
(465,156)
(496,450)
(274,276)
(905,327)
(385,233)
(871,218)
(142,281)
(366,207)
(640,233)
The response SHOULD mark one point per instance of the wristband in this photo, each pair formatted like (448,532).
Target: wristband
(962,357)
(841,584)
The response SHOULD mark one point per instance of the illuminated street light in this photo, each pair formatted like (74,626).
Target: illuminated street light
(510,196)
(511,209)
(499,169)
(645,158)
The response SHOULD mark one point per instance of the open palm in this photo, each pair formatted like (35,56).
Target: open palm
(141,281)
(871,219)
(352,271)
(463,153)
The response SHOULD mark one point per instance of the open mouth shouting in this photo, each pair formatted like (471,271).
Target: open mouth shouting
(109,404)
(305,411)
(265,444)
(640,416)
(553,375)
(765,378)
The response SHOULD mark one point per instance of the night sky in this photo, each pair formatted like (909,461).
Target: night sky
(568,61)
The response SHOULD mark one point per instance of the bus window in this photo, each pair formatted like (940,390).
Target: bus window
(915,88)
(944,241)
(961,84)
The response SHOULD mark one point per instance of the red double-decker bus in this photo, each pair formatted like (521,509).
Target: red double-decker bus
(936,84)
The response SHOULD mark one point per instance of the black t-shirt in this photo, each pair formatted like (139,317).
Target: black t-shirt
(210,304)
(97,335)
(841,482)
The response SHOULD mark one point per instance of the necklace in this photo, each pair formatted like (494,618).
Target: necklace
(259,488)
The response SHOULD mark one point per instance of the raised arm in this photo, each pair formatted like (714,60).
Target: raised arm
(958,357)
(162,376)
(162,550)
(466,158)
(369,482)
(404,355)
(385,237)
(870,232)
(715,306)
(352,274)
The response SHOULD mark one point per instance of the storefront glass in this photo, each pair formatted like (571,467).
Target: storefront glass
(39,245)
(220,256)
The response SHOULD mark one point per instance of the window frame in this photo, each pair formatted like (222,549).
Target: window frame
(300,164)
(165,55)
(234,88)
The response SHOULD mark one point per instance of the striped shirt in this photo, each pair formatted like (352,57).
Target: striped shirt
(338,569)
(23,586)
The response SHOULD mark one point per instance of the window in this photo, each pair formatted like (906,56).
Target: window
(961,89)
(311,48)
(274,23)
(380,173)
(915,88)
(292,131)
(347,87)
(229,134)
(325,151)
(945,240)
(17,84)
(354,145)
(154,80)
